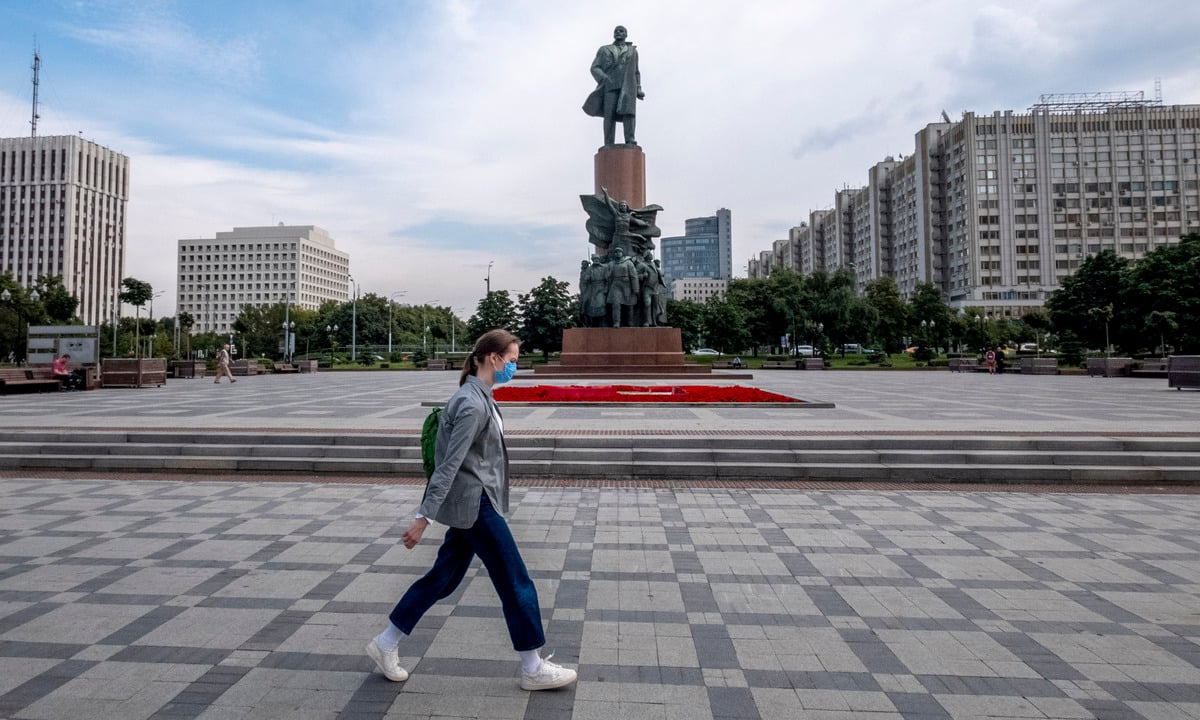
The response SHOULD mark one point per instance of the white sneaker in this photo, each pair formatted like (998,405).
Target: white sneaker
(387,662)
(548,676)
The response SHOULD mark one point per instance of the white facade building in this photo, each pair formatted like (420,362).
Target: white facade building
(997,210)
(62,212)
(698,289)
(257,266)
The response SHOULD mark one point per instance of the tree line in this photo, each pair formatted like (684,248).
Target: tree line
(1151,305)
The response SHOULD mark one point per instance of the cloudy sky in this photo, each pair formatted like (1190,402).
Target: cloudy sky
(430,138)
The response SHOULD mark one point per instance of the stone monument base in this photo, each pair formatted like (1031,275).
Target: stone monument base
(632,352)
(621,169)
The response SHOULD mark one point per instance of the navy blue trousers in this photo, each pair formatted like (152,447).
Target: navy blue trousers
(492,541)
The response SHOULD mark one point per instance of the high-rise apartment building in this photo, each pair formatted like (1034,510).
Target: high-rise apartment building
(997,210)
(705,250)
(297,264)
(62,212)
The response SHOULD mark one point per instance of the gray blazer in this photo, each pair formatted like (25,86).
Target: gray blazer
(470,459)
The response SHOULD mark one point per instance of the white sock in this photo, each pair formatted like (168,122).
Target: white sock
(389,639)
(531,660)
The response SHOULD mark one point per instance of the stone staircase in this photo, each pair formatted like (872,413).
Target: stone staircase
(1004,458)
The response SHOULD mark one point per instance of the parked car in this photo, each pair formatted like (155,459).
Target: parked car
(705,351)
(804,351)
(853,348)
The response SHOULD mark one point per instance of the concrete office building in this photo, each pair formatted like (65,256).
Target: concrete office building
(997,210)
(698,289)
(256,266)
(705,250)
(62,212)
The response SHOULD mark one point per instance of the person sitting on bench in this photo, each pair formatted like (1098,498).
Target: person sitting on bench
(61,370)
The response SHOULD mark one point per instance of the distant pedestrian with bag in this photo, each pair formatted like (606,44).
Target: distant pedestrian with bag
(223,365)
(468,491)
(989,357)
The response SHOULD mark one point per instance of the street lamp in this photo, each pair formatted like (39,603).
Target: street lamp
(425,326)
(330,331)
(354,322)
(488,279)
(453,321)
(391,298)
(288,327)
(150,344)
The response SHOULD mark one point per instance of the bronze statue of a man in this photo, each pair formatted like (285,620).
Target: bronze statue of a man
(618,87)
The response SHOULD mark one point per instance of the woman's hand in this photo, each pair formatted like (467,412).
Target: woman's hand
(413,534)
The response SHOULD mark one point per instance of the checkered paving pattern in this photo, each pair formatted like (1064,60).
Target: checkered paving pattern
(253,600)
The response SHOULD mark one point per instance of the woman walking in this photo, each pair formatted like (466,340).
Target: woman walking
(468,491)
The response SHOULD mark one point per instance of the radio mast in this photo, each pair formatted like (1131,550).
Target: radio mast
(37,67)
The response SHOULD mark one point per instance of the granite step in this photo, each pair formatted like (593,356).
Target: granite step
(942,458)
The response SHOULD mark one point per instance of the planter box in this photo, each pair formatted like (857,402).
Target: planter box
(187,369)
(307,366)
(1183,371)
(1109,367)
(134,372)
(1039,366)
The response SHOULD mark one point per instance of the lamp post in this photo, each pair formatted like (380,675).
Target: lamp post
(150,345)
(6,296)
(425,330)
(288,327)
(453,322)
(391,299)
(329,332)
(354,322)
(488,279)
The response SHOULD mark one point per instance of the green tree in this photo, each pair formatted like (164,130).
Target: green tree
(136,293)
(862,321)
(765,314)
(545,311)
(827,296)
(927,305)
(59,303)
(725,325)
(688,316)
(1097,284)
(884,295)
(494,311)
(1166,279)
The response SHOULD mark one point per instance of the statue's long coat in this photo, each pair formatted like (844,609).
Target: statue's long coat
(630,82)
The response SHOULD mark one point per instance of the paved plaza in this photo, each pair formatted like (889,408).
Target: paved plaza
(865,401)
(195,598)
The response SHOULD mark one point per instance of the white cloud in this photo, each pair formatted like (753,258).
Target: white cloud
(466,114)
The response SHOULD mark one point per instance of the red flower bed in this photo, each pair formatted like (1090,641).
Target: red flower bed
(638,394)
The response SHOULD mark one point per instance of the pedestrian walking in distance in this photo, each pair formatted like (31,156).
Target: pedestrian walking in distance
(468,491)
(223,365)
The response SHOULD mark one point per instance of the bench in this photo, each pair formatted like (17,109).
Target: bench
(811,363)
(965,365)
(246,367)
(1150,368)
(1183,371)
(781,364)
(1039,366)
(722,365)
(283,368)
(1109,367)
(306,366)
(15,380)
(438,364)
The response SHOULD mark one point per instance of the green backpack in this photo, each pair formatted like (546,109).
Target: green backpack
(429,433)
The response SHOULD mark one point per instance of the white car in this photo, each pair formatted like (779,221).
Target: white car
(805,351)
(705,351)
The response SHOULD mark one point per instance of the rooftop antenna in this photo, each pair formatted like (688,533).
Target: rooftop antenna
(37,68)
(945,117)
(1158,91)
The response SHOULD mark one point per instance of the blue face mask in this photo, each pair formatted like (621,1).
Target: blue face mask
(503,376)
